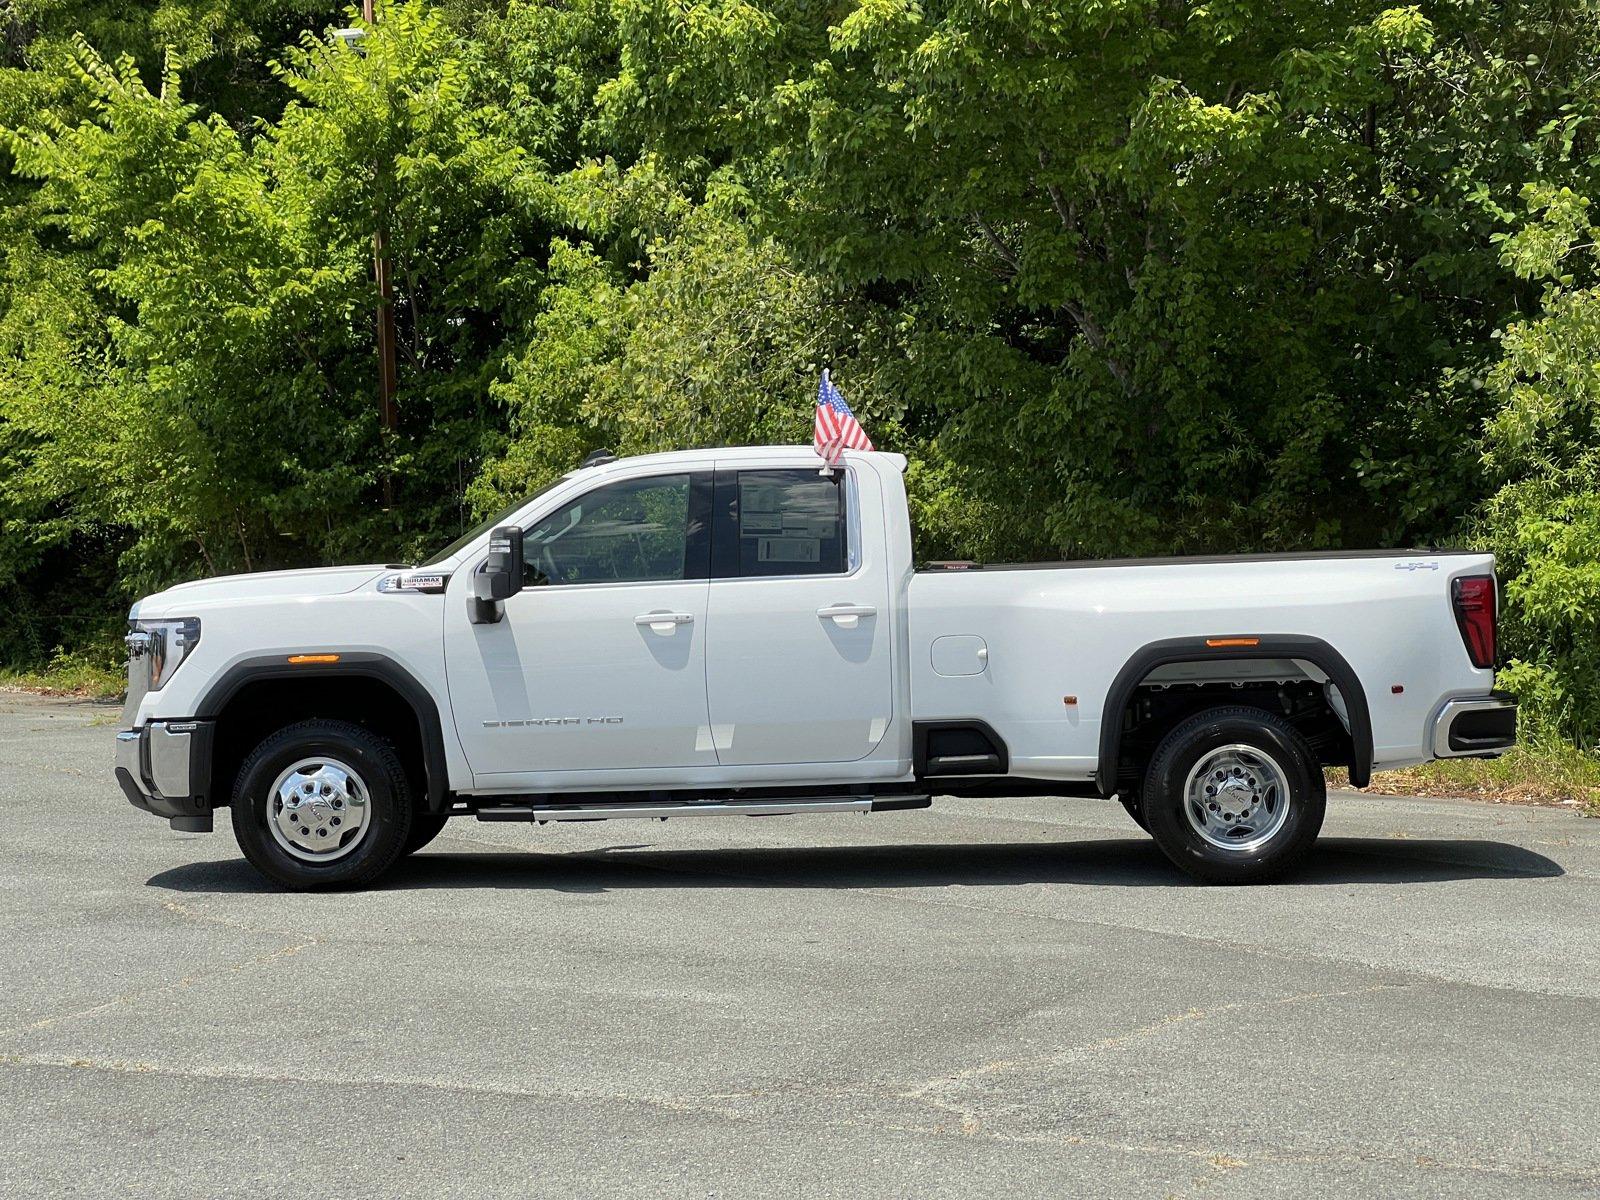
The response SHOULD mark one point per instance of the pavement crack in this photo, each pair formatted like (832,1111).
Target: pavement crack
(1084,1049)
(177,985)
(718,1106)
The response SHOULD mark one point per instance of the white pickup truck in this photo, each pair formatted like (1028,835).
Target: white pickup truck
(721,632)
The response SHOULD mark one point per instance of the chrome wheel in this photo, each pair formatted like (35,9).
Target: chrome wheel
(1236,798)
(319,810)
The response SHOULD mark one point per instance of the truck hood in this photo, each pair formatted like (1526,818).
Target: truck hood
(301,585)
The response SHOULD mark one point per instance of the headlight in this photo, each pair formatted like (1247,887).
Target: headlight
(162,645)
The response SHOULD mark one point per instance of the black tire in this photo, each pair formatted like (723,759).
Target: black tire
(1207,735)
(425,826)
(387,793)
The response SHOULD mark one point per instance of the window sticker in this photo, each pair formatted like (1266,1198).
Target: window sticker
(753,523)
(789,549)
(759,498)
(802,525)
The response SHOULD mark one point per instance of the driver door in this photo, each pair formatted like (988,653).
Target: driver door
(595,674)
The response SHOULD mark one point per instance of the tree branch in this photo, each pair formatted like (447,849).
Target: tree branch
(1097,338)
(1086,323)
(244,544)
(1000,247)
(1068,213)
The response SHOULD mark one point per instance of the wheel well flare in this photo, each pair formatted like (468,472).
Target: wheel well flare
(254,700)
(1120,741)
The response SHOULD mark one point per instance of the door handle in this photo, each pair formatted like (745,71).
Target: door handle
(664,622)
(847,616)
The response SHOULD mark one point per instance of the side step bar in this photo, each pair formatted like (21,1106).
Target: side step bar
(765,807)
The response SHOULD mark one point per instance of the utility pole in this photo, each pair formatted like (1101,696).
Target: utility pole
(387,416)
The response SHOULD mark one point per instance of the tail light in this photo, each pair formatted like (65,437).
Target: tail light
(1473,598)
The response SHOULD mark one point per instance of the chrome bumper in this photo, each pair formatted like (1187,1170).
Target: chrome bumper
(1481,727)
(165,768)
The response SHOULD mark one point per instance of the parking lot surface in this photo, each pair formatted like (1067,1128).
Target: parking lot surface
(991,997)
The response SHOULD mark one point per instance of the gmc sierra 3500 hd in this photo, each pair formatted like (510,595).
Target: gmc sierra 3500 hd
(721,632)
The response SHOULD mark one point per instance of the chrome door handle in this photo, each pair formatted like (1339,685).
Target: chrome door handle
(847,616)
(664,622)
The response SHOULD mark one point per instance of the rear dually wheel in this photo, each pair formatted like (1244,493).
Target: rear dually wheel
(1234,795)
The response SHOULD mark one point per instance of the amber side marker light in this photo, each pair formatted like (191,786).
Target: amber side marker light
(306,660)
(1216,642)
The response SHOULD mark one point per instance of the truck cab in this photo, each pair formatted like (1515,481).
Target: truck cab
(731,619)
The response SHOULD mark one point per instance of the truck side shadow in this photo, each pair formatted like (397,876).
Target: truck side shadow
(1099,863)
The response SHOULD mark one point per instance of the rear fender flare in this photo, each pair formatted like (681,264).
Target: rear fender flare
(1194,649)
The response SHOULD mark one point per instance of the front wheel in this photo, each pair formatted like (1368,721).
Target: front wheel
(322,804)
(1234,795)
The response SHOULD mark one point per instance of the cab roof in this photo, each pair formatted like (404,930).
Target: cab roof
(802,456)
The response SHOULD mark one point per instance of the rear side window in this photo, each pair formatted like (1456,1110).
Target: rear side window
(786,522)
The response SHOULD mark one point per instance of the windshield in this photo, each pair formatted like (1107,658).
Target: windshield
(483,527)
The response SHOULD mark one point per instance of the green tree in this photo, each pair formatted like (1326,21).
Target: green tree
(1543,447)
(187,360)
(1152,277)
(1171,276)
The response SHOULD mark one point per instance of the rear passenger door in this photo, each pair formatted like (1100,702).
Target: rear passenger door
(799,658)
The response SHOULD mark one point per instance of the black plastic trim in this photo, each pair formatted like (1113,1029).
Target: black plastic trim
(1491,730)
(1016,785)
(697,547)
(900,803)
(360,664)
(1175,650)
(997,761)
(201,740)
(130,789)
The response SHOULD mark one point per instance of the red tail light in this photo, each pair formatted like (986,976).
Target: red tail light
(1473,597)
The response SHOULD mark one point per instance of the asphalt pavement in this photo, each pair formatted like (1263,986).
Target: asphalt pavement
(991,997)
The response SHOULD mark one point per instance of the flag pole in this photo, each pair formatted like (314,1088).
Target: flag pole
(827,467)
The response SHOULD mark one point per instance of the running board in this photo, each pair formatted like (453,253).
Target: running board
(774,807)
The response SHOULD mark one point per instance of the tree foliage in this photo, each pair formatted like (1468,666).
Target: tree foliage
(1129,278)
(1544,447)
(1182,276)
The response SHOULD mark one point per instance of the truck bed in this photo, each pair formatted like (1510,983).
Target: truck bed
(1055,636)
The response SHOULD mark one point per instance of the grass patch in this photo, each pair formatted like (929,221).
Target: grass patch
(1557,775)
(70,675)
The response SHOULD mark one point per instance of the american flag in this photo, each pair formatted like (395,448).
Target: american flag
(836,429)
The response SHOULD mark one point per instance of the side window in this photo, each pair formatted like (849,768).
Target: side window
(633,531)
(782,523)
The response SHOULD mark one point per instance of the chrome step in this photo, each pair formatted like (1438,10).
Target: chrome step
(662,810)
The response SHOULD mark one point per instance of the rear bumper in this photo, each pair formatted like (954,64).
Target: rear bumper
(1479,727)
(164,767)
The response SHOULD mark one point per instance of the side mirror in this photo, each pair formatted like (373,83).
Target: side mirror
(501,576)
